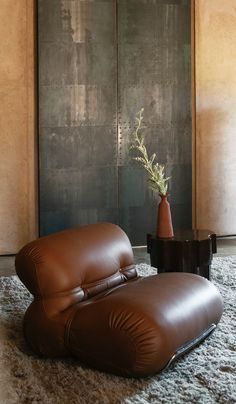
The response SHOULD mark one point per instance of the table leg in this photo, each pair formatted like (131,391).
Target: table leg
(204,270)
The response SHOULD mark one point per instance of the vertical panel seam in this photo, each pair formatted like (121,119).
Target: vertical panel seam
(117,108)
(194,128)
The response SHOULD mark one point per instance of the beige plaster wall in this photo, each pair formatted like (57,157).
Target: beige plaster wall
(215,68)
(17,125)
(215,125)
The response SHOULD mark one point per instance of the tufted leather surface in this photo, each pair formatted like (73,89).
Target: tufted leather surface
(90,303)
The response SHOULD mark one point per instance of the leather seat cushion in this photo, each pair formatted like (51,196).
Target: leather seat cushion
(136,328)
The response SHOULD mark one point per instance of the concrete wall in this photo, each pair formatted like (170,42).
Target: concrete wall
(17,125)
(215,61)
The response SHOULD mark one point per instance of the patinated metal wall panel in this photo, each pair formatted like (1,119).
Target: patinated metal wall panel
(77,113)
(154,72)
(99,63)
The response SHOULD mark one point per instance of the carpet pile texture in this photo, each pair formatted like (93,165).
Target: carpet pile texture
(206,375)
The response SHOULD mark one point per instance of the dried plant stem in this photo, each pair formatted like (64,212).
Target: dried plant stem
(156,176)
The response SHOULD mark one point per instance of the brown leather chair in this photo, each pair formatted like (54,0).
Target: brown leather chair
(90,303)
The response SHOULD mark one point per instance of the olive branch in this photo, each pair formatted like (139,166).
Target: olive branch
(156,175)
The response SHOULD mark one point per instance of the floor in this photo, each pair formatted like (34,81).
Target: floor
(225,246)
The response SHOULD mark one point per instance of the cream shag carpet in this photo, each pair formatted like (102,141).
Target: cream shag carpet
(205,375)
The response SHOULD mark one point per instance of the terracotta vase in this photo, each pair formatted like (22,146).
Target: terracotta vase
(164,221)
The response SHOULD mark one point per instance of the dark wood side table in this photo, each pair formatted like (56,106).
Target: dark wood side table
(188,251)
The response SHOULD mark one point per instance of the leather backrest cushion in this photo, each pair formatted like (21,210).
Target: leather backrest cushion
(93,258)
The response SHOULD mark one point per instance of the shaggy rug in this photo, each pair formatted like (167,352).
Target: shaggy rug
(205,375)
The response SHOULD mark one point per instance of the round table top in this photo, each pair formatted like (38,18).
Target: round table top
(188,235)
